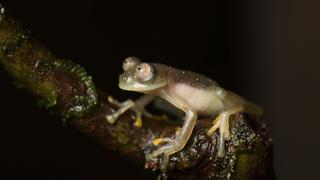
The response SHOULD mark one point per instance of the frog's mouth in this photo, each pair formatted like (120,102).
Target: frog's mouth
(131,84)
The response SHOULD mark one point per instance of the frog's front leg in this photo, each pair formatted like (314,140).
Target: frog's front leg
(222,122)
(179,142)
(138,106)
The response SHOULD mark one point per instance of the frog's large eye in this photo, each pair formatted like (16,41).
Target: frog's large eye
(144,71)
(130,62)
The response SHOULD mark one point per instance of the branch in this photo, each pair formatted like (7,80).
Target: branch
(65,89)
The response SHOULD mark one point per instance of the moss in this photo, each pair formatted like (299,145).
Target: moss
(24,77)
(14,43)
(22,73)
(83,104)
(47,90)
(49,98)
(45,76)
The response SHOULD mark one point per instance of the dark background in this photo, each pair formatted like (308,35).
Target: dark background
(266,51)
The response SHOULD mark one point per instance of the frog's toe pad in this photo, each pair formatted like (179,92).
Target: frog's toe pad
(112,118)
(138,122)
(158,141)
(152,164)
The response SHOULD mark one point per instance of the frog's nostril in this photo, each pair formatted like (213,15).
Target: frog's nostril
(123,77)
(129,79)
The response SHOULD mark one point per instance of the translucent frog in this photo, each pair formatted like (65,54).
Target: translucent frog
(194,94)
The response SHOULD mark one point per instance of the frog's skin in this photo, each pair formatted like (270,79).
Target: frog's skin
(193,93)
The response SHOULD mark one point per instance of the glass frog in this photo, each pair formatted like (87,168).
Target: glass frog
(193,93)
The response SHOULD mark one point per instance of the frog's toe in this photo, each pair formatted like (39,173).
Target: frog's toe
(161,141)
(138,122)
(112,118)
(216,124)
(221,147)
(227,135)
(221,122)
(166,151)
(155,162)
(165,161)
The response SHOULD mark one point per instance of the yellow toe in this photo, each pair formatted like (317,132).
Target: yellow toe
(138,122)
(160,141)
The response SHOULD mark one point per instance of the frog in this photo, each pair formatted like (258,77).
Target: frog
(194,94)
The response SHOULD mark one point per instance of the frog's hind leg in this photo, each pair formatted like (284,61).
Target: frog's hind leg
(222,122)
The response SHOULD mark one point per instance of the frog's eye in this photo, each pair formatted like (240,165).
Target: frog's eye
(130,62)
(144,71)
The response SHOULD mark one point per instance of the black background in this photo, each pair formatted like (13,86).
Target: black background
(266,51)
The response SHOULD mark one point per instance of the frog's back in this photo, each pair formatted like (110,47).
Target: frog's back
(187,77)
(200,93)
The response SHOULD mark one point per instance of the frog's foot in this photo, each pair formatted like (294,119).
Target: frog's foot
(124,106)
(166,140)
(224,128)
(139,112)
(138,122)
(171,146)
(166,150)
(158,141)
(221,122)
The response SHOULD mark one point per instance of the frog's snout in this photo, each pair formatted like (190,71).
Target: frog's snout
(124,79)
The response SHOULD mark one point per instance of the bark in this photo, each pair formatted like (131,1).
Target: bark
(65,89)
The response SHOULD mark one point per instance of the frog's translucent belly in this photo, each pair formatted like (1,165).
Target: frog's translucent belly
(204,101)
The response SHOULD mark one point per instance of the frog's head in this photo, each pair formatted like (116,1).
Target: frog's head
(140,77)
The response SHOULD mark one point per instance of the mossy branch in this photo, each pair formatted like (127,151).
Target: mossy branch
(65,88)
(60,85)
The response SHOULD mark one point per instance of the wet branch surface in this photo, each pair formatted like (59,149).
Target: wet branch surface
(65,89)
